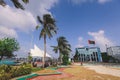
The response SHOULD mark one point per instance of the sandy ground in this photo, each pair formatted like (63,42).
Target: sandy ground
(104,70)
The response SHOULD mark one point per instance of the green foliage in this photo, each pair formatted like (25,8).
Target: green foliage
(65,60)
(30,59)
(20,71)
(5,72)
(76,57)
(16,3)
(8,46)
(8,72)
(105,57)
(63,47)
(108,58)
(5,68)
(34,69)
(5,76)
(48,26)
(26,65)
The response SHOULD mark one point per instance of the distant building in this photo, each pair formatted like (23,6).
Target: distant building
(85,54)
(114,51)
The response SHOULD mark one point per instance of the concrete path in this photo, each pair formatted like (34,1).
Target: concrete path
(104,70)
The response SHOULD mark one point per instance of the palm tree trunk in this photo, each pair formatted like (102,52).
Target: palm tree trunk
(60,58)
(44,51)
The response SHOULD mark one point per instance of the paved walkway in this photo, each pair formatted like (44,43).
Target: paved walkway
(104,70)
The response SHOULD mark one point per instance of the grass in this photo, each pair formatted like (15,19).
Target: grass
(34,69)
(45,71)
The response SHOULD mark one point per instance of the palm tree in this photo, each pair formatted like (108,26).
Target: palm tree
(63,47)
(48,29)
(16,3)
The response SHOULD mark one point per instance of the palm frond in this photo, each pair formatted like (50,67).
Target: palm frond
(17,4)
(2,2)
(55,49)
(40,21)
(48,32)
(42,34)
(37,27)
(25,1)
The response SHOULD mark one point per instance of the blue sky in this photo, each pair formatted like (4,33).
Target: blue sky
(77,20)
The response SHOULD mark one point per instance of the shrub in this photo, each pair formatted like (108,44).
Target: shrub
(36,69)
(5,68)
(5,76)
(4,72)
(20,71)
(7,72)
(65,60)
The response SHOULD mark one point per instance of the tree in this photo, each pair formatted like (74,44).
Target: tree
(63,47)
(16,3)
(7,47)
(48,29)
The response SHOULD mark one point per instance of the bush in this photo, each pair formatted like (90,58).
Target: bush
(36,69)
(65,60)
(5,76)
(4,72)
(20,71)
(5,68)
(7,72)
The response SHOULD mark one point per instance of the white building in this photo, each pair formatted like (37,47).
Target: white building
(89,54)
(114,51)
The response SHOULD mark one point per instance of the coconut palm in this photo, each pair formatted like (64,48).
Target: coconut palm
(63,47)
(48,29)
(16,3)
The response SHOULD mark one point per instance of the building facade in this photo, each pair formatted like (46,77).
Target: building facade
(86,54)
(114,51)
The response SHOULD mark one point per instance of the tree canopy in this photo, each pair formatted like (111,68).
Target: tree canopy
(8,46)
(64,48)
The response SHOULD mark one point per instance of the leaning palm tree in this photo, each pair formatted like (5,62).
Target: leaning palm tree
(63,47)
(16,3)
(48,29)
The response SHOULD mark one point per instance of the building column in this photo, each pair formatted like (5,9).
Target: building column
(90,57)
(96,56)
(93,57)
(83,57)
(80,57)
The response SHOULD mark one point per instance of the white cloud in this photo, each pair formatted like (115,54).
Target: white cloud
(40,7)
(90,1)
(16,19)
(13,20)
(25,21)
(100,39)
(80,42)
(6,32)
(103,1)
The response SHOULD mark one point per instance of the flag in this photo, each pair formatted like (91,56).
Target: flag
(91,42)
